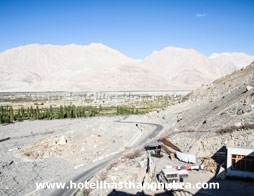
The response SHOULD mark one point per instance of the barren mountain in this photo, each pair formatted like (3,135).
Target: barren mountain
(97,67)
(72,67)
(230,62)
(182,67)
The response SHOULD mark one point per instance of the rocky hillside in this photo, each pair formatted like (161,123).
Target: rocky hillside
(217,115)
(228,101)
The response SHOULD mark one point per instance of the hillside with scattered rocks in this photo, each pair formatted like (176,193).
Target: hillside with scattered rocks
(209,118)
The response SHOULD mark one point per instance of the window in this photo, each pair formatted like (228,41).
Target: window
(242,163)
(172,176)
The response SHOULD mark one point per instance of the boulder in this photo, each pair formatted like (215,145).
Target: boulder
(62,140)
(248,88)
(238,124)
(240,112)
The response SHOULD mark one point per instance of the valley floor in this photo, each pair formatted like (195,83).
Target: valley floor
(51,150)
(41,151)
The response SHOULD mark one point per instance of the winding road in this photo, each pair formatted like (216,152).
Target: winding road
(92,168)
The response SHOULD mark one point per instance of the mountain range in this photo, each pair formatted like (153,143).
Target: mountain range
(97,67)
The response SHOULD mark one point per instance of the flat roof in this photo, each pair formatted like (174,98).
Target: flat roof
(154,144)
(241,147)
(169,170)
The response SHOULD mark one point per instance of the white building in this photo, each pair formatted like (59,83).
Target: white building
(240,162)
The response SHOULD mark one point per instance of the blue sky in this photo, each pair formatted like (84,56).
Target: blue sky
(134,27)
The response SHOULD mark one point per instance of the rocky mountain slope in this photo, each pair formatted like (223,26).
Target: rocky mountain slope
(72,67)
(222,113)
(97,67)
(182,67)
(228,101)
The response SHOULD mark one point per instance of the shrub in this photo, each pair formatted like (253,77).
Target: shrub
(231,129)
(134,154)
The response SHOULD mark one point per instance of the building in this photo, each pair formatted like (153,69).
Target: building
(240,162)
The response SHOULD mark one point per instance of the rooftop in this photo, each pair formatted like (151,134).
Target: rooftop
(242,147)
(169,170)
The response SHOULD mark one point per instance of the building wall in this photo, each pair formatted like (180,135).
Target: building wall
(239,151)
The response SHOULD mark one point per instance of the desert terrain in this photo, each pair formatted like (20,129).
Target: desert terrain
(52,150)
(126,98)
(210,118)
(112,147)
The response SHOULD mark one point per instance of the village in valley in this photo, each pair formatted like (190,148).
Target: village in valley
(177,138)
(126,98)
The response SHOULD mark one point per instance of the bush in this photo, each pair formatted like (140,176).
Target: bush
(132,155)
(231,129)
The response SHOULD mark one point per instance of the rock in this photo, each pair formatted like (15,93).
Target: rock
(248,88)
(238,124)
(240,112)
(178,119)
(141,163)
(62,140)
(53,148)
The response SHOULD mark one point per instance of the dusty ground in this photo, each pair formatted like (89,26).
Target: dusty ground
(36,152)
(208,143)
(98,138)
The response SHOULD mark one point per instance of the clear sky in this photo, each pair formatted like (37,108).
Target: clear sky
(134,27)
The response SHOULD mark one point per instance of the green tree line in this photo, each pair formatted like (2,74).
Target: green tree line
(8,114)
(125,110)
